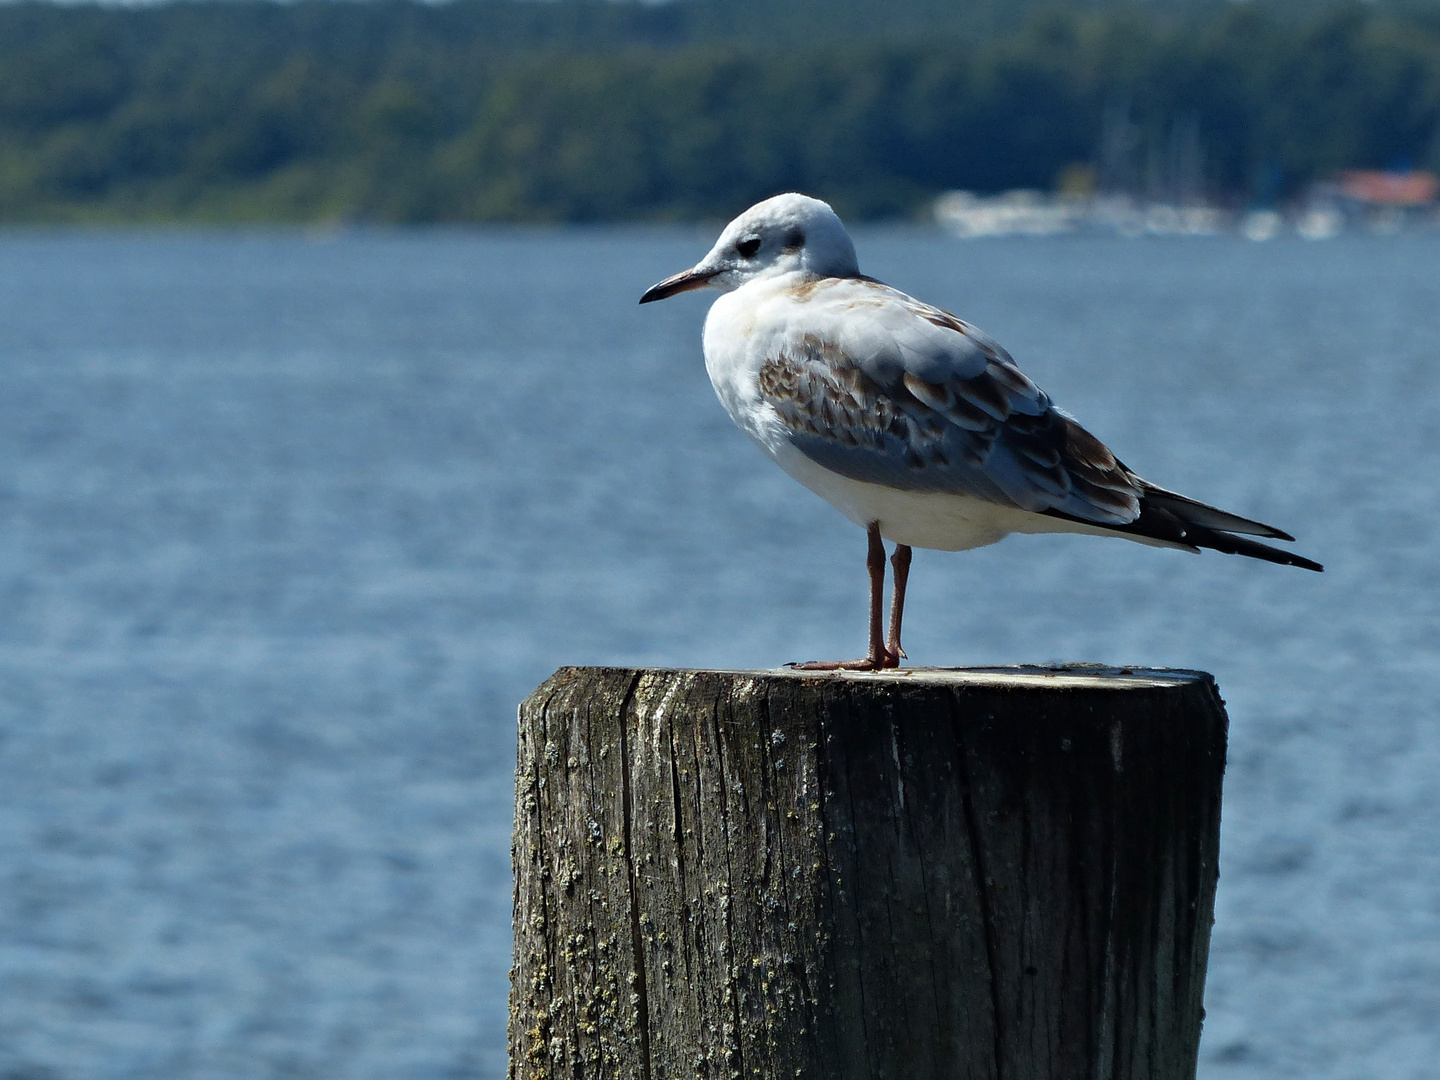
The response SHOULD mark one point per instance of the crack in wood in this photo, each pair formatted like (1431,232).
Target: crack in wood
(983,883)
(627,817)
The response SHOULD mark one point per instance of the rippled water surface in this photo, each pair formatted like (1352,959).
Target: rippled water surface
(288,526)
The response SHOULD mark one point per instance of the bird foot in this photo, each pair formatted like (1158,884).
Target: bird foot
(865,663)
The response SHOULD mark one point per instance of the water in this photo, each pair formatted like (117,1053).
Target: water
(288,526)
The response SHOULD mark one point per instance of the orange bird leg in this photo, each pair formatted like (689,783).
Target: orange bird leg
(900,562)
(878,657)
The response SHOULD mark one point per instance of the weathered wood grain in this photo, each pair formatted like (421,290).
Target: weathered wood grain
(929,874)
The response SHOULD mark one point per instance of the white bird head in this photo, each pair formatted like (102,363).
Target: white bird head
(782,235)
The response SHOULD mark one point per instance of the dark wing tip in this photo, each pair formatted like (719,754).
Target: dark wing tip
(1197,513)
(1159,521)
(1230,544)
(1304,563)
(1209,527)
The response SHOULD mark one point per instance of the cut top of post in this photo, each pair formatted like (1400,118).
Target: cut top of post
(1019,676)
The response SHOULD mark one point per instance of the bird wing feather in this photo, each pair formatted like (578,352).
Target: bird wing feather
(911,397)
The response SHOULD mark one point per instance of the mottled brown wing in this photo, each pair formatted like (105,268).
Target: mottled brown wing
(890,391)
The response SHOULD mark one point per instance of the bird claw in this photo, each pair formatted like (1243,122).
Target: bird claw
(865,663)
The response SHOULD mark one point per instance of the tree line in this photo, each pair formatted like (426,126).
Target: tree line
(508,110)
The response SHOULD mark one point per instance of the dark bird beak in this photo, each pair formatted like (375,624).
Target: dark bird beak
(677,283)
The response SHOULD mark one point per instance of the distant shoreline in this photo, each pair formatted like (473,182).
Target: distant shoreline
(242,113)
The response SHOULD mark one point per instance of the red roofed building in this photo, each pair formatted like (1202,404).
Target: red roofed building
(1376,188)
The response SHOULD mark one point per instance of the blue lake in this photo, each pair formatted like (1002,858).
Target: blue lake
(289,524)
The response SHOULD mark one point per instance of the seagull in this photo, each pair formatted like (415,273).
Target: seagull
(912,423)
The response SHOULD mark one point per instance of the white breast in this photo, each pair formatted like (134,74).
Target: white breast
(736,345)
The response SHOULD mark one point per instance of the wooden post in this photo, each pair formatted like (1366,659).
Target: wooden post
(928,875)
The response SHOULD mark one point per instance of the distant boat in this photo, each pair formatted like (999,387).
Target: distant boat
(1260,225)
(1013,213)
(1034,213)
(1320,222)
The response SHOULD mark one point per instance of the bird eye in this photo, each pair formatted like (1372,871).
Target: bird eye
(748,247)
(794,239)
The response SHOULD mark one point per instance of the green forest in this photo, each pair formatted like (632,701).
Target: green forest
(577,110)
